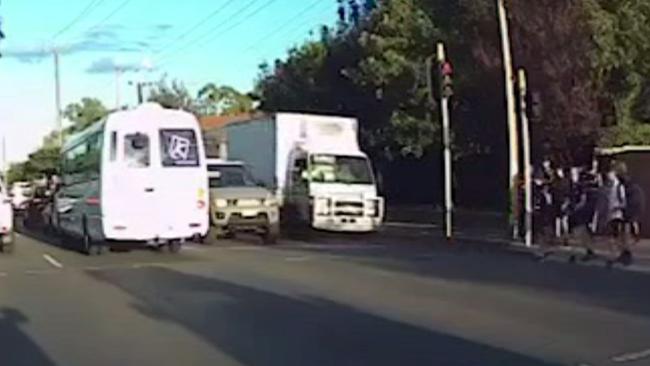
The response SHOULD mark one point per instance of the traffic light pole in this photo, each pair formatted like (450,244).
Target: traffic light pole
(525,137)
(512,117)
(446,141)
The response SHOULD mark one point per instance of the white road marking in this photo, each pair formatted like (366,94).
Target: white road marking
(297,259)
(38,272)
(3,274)
(49,259)
(244,248)
(195,248)
(412,225)
(632,356)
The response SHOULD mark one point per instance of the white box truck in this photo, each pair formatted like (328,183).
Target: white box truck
(315,167)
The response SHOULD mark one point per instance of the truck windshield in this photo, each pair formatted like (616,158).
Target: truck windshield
(340,169)
(231,176)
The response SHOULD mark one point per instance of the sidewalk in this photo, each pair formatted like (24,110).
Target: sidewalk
(477,227)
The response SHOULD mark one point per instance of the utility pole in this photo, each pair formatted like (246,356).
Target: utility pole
(4,156)
(57,97)
(512,117)
(118,75)
(140,85)
(445,81)
(525,134)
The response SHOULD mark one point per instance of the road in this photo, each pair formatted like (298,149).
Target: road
(365,300)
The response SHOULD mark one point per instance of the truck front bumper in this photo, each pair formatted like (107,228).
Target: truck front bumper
(347,224)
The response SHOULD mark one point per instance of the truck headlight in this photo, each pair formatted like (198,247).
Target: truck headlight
(270,202)
(322,206)
(373,208)
(221,203)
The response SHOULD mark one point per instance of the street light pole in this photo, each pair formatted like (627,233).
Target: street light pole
(446,141)
(57,97)
(512,116)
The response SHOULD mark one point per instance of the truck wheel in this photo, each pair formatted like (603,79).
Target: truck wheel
(270,236)
(212,236)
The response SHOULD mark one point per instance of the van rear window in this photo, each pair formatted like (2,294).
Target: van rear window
(178,148)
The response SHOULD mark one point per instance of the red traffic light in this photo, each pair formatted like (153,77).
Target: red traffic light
(447,69)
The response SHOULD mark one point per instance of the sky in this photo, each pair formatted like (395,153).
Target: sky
(194,41)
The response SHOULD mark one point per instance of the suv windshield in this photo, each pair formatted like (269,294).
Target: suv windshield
(231,176)
(340,169)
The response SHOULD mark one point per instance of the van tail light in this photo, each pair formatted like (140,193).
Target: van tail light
(5,230)
(200,204)
(194,225)
(92,201)
(119,228)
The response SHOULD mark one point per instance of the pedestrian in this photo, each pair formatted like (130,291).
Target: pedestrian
(616,202)
(543,215)
(634,209)
(560,191)
(584,196)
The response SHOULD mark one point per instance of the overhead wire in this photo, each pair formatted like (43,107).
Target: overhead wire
(111,14)
(284,25)
(291,31)
(214,30)
(200,23)
(87,10)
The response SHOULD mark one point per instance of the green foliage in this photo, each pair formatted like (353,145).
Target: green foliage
(223,100)
(84,114)
(173,96)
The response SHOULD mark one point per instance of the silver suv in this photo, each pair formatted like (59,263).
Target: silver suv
(239,204)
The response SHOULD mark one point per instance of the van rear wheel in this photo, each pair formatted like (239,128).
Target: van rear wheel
(174,246)
(8,244)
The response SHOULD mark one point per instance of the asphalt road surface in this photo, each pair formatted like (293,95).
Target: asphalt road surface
(363,300)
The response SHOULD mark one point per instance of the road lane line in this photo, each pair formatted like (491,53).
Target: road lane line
(632,356)
(297,258)
(49,259)
(411,225)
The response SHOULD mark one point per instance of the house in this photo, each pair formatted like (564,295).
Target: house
(213,136)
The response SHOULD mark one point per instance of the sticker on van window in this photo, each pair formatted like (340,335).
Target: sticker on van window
(178,148)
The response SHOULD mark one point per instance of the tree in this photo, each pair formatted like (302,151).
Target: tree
(223,100)
(84,114)
(173,96)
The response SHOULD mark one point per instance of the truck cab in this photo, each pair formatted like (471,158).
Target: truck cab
(333,191)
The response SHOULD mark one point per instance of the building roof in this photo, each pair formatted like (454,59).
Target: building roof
(216,122)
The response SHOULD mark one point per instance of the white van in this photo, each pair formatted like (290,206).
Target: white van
(137,175)
(6,220)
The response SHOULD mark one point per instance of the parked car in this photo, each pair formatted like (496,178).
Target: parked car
(6,220)
(239,204)
(21,193)
(35,211)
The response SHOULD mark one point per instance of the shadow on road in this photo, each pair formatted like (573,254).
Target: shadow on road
(497,265)
(16,348)
(258,327)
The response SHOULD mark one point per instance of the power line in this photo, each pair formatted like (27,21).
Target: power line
(89,8)
(200,23)
(285,24)
(111,14)
(219,26)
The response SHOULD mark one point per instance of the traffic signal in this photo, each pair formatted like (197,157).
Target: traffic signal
(536,106)
(446,80)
